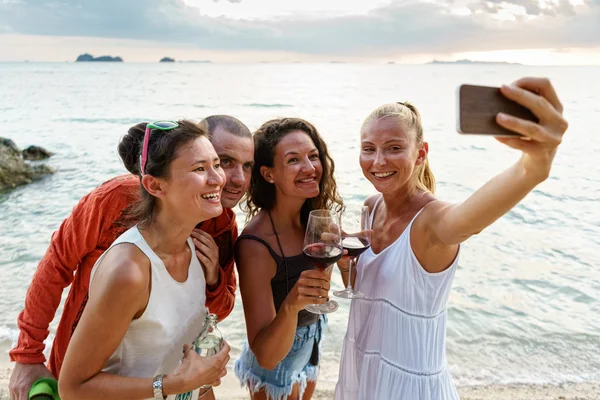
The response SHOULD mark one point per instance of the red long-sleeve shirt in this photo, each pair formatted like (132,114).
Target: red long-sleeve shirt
(73,251)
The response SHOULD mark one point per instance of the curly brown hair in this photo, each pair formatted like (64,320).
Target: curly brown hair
(262,194)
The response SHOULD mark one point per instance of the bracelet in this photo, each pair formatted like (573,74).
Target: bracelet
(204,394)
(343,269)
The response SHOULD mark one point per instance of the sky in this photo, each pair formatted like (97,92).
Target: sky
(538,32)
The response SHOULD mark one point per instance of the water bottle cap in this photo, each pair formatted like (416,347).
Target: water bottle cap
(212,318)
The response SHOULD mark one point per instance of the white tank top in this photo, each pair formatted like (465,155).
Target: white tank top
(153,343)
(395,345)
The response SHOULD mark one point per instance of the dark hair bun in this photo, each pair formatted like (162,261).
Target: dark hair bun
(130,147)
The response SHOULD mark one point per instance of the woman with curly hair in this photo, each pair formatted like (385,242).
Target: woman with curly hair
(292,175)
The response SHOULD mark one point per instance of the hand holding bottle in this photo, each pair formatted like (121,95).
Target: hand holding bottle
(196,371)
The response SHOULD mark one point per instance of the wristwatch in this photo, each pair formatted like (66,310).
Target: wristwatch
(157,387)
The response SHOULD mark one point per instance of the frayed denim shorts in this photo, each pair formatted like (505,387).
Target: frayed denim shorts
(299,366)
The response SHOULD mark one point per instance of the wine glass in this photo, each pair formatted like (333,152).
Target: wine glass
(323,245)
(356,244)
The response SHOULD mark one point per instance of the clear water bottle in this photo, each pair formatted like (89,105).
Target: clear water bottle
(210,340)
(208,343)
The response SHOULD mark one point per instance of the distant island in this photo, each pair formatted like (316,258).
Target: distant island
(472,62)
(167,59)
(88,57)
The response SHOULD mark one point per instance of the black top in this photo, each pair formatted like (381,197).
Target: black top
(283,282)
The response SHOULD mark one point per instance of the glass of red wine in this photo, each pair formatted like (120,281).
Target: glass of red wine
(323,245)
(356,244)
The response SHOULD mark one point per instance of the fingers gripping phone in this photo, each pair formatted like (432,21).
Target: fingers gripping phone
(477,107)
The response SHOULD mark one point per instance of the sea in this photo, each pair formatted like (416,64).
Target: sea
(525,305)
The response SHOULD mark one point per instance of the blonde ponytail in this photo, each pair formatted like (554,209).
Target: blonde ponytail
(425,178)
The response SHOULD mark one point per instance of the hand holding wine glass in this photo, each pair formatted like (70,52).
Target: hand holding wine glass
(323,245)
(355,244)
(312,287)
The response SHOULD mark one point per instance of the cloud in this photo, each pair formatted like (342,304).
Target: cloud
(407,26)
(530,7)
(134,19)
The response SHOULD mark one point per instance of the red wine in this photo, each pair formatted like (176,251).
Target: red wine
(323,255)
(355,245)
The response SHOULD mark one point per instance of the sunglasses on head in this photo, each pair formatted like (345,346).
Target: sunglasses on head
(161,126)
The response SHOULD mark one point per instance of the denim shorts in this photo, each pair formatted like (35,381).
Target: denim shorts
(299,366)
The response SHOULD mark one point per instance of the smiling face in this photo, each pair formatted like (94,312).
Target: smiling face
(297,169)
(195,181)
(389,155)
(237,159)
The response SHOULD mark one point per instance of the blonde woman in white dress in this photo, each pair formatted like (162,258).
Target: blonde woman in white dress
(395,346)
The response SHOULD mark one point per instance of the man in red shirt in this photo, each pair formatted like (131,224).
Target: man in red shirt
(91,229)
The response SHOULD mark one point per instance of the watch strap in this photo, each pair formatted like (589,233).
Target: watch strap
(157,387)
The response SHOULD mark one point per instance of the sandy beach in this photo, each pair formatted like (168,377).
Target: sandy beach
(231,390)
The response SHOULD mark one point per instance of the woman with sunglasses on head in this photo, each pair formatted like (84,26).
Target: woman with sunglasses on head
(395,346)
(96,221)
(292,175)
(146,296)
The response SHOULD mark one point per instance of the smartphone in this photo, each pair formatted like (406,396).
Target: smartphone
(477,107)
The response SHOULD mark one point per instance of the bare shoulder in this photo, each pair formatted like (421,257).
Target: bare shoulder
(252,252)
(257,225)
(433,253)
(124,267)
(432,209)
(371,200)
(426,222)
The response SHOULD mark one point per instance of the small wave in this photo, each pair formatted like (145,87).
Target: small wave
(525,214)
(565,197)
(577,295)
(7,336)
(456,185)
(266,105)
(187,105)
(548,195)
(558,253)
(559,358)
(478,148)
(535,285)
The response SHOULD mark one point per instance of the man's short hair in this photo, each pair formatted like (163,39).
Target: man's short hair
(227,123)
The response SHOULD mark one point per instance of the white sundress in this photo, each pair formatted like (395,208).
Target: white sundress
(395,345)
